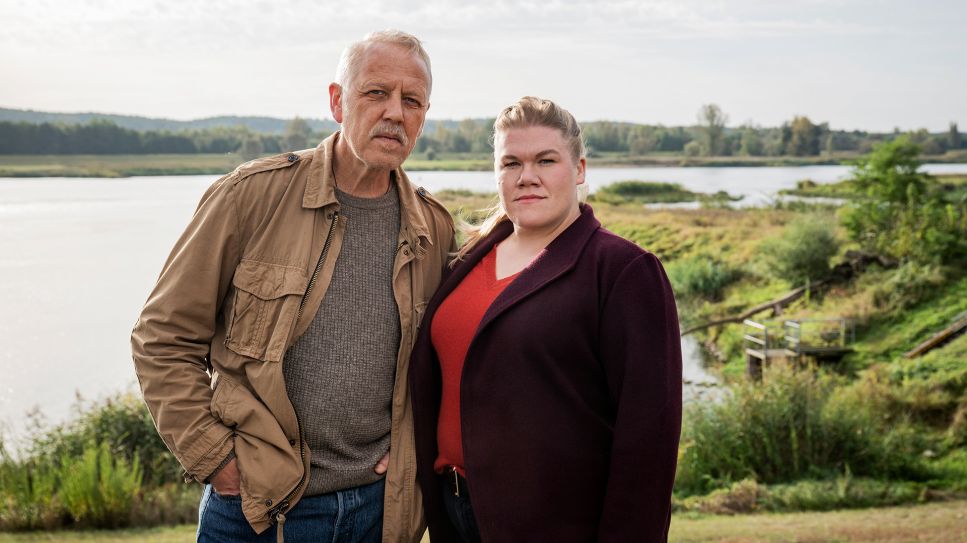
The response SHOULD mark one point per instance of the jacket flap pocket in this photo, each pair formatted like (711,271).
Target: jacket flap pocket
(269,281)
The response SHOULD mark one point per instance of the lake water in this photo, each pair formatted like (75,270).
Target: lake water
(79,256)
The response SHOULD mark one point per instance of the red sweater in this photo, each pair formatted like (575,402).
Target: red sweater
(451,331)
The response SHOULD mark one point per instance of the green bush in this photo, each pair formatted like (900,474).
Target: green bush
(89,472)
(99,489)
(124,425)
(634,189)
(803,250)
(621,192)
(28,494)
(700,277)
(845,491)
(170,505)
(902,212)
(792,426)
(950,470)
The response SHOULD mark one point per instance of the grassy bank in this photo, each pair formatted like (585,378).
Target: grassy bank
(115,165)
(953,186)
(213,164)
(932,523)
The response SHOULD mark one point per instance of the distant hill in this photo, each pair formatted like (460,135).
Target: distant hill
(263,125)
(266,125)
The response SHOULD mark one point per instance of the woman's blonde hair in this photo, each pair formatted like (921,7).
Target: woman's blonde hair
(527,112)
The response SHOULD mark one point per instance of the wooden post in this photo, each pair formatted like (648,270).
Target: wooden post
(753,367)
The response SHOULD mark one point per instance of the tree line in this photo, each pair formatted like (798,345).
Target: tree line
(710,136)
(101,137)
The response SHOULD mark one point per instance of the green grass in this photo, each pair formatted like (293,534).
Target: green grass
(940,522)
(887,336)
(933,523)
(811,189)
(115,165)
(172,534)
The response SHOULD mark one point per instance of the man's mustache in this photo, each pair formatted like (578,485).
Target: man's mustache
(390,130)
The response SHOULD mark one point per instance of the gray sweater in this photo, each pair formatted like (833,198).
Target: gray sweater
(340,373)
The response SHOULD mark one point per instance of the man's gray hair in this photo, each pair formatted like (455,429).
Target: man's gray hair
(353,54)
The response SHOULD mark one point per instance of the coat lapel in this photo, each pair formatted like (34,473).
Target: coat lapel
(558,258)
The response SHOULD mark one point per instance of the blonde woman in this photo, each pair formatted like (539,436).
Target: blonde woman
(546,379)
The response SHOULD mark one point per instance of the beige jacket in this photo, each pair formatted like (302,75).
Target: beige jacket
(240,286)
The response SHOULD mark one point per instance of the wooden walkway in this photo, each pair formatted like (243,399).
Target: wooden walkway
(823,340)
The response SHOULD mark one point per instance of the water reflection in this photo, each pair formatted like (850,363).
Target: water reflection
(698,384)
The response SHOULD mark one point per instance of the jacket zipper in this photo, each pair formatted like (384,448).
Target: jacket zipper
(322,260)
(278,513)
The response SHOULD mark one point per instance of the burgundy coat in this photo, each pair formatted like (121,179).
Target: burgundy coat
(570,396)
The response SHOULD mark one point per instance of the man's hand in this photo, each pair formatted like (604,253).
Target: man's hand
(382,465)
(225,482)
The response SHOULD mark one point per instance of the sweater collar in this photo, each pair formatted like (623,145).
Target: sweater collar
(320,189)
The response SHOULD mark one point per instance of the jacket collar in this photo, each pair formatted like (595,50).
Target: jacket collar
(321,190)
(557,258)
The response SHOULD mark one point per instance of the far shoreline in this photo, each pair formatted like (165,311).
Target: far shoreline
(120,166)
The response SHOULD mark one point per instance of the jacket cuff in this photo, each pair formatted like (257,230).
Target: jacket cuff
(229,458)
(209,461)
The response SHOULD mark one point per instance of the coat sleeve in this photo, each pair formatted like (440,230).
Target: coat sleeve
(172,337)
(641,354)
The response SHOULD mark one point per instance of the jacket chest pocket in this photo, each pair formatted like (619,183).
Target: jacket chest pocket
(267,299)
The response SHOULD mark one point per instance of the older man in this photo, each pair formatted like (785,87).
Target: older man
(274,348)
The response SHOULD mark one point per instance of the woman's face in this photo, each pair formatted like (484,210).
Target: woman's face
(537,178)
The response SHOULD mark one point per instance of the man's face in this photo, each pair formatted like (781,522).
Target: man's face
(383,107)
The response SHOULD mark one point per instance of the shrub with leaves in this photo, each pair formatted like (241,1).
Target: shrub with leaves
(700,277)
(803,251)
(28,494)
(124,425)
(902,212)
(99,489)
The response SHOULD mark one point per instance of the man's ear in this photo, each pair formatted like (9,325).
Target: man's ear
(335,101)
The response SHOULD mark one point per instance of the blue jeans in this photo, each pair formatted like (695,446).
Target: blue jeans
(354,515)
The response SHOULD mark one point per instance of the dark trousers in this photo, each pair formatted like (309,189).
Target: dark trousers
(460,512)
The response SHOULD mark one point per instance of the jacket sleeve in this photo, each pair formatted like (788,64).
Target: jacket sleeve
(641,353)
(171,339)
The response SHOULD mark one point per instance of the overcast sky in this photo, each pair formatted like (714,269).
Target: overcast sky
(857,64)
